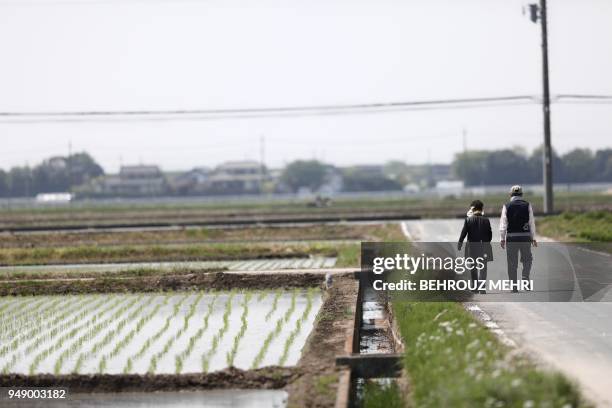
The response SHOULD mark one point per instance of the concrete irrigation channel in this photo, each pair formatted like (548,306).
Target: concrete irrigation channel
(373,348)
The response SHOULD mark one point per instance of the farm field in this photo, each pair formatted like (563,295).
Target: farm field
(187,235)
(33,249)
(49,271)
(156,333)
(89,214)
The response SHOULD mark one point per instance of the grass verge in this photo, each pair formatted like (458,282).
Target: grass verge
(453,361)
(377,395)
(349,255)
(203,252)
(594,226)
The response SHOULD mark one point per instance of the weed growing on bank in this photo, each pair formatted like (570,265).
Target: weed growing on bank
(454,361)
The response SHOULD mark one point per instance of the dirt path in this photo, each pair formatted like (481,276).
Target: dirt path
(318,382)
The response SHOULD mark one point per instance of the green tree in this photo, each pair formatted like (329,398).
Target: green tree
(83,168)
(535,166)
(356,181)
(471,167)
(507,167)
(64,173)
(579,166)
(4,187)
(304,173)
(603,165)
(20,182)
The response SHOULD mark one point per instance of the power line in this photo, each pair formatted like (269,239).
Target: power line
(290,111)
(239,113)
(583,99)
(583,96)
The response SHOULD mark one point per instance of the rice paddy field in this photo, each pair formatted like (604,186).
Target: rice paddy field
(175,316)
(156,333)
(117,268)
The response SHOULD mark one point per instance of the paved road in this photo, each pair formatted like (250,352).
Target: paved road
(575,337)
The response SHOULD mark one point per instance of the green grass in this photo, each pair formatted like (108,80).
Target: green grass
(349,255)
(382,396)
(453,361)
(325,384)
(212,251)
(593,226)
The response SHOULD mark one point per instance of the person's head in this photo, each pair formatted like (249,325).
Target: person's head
(477,205)
(516,191)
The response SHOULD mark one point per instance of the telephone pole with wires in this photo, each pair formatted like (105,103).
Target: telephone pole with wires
(540,12)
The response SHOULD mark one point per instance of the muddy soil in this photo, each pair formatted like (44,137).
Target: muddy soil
(263,378)
(318,382)
(127,273)
(217,281)
(185,236)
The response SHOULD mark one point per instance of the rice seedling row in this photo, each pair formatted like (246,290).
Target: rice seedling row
(102,327)
(109,336)
(59,343)
(231,355)
(180,357)
(274,304)
(275,332)
(156,336)
(298,328)
(219,335)
(170,342)
(41,334)
(24,312)
(11,331)
(173,333)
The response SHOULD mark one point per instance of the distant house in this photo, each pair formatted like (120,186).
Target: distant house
(192,182)
(140,180)
(239,177)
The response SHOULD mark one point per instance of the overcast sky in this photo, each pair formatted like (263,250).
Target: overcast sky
(207,54)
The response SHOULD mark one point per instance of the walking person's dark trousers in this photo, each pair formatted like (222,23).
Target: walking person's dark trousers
(476,272)
(512,253)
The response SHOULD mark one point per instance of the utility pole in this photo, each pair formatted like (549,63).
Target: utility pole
(547,150)
(547,159)
(69,165)
(262,160)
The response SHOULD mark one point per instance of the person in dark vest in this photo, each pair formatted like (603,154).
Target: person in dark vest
(477,229)
(517,230)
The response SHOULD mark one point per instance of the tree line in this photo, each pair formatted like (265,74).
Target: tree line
(474,167)
(57,174)
(512,166)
